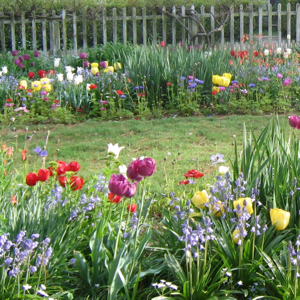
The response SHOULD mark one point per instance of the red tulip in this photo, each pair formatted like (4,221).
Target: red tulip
(120,93)
(30,75)
(73,166)
(42,73)
(32,179)
(184,182)
(193,174)
(114,198)
(63,180)
(93,86)
(61,168)
(162,43)
(23,155)
(43,174)
(131,208)
(76,183)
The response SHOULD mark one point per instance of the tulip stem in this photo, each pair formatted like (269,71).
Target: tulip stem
(119,231)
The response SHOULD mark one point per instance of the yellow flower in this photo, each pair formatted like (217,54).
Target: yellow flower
(280,218)
(224,81)
(215,88)
(195,214)
(227,75)
(36,85)
(200,198)
(47,87)
(117,66)
(95,70)
(94,65)
(109,69)
(215,79)
(236,236)
(241,201)
(218,209)
(44,80)
(23,84)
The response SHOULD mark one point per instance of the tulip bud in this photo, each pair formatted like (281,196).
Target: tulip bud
(32,179)
(146,166)
(280,218)
(132,171)
(200,198)
(43,174)
(131,208)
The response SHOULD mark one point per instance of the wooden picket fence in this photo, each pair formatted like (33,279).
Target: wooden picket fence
(61,32)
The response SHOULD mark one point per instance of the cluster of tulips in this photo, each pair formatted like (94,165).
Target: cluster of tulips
(64,172)
(223,80)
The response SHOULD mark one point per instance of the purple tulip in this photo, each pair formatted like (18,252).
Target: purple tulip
(132,171)
(146,166)
(26,56)
(280,76)
(294,121)
(21,58)
(82,55)
(21,66)
(14,52)
(86,64)
(119,185)
(287,81)
(31,64)
(17,62)
(36,53)
(103,64)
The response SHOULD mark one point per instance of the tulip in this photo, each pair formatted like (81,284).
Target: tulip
(76,183)
(109,69)
(114,150)
(227,75)
(243,202)
(287,81)
(36,86)
(17,62)
(82,55)
(95,71)
(119,185)
(279,51)
(162,44)
(146,166)
(289,51)
(36,53)
(117,66)
(32,179)
(94,65)
(223,170)
(294,121)
(218,209)
(236,236)
(30,75)
(26,56)
(131,208)
(63,180)
(104,64)
(60,77)
(132,171)
(61,168)
(280,76)
(70,76)
(200,198)
(4,70)
(86,64)
(69,69)
(280,218)
(73,166)
(42,73)
(114,198)
(23,84)
(56,62)
(43,174)
(14,52)
(193,174)
(266,52)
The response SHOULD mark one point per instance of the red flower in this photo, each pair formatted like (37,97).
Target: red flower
(214,92)
(131,208)
(13,200)
(42,73)
(56,101)
(168,83)
(73,166)
(193,174)
(233,53)
(162,43)
(141,95)
(184,182)
(76,183)
(61,168)
(114,198)
(32,179)
(51,72)
(93,86)
(255,53)
(63,180)
(120,93)
(9,100)
(23,154)
(43,174)
(30,75)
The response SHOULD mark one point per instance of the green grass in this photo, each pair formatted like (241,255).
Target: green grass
(177,144)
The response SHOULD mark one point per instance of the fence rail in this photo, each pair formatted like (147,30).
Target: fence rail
(63,31)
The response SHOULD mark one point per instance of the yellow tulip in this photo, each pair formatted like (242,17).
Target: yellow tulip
(94,65)
(36,85)
(95,70)
(236,236)
(47,88)
(215,79)
(23,84)
(215,88)
(218,209)
(117,66)
(44,80)
(200,198)
(109,69)
(227,75)
(280,218)
(224,81)
(241,201)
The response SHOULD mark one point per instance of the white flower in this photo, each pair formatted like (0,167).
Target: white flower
(80,70)
(70,76)
(60,77)
(266,52)
(1,73)
(289,51)
(240,282)
(69,69)
(43,287)
(285,55)
(78,79)
(88,86)
(42,293)
(223,170)
(4,70)
(279,51)
(26,287)
(114,149)
(56,62)
(123,170)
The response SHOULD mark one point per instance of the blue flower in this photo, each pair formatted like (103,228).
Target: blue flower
(252,85)
(40,152)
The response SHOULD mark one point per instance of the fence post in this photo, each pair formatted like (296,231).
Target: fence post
(84,29)
(55,34)
(134,34)
(74,32)
(114,25)
(164,25)
(270,24)
(13,32)
(241,27)
(44,32)
(260,26)
(183,31)
(297,23)
(23,30)
(2,32)
(288,23)
(173,26)
(33,30)
(154,30)
(144,26)
(232,28)
(64,31)
(251,23)
(212,25)
(279,24)
(104,27)
(124,25)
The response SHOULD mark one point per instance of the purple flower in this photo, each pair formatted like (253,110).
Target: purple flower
(36,53)
(40,152)
(21,58)
(119,185)
(31,64)
(103,64)
(252,85)
(86,64)
(21,66)
(132,171)
(17,62)
(14,52)
(294,121)
(26,56)
(82,55)
(287,81)
(279,76)
(146,166)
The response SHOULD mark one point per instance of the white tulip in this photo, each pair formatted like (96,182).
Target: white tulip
(223,170)
(266,52)
(56,62)
(60,77)
(285,55)
(4,70)
(69,69)
(114,149)
(289,51)
(70,76)
(88,86)
(279,50)
(123,170)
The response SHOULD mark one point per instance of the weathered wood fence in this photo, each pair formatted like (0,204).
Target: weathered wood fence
(63,31)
